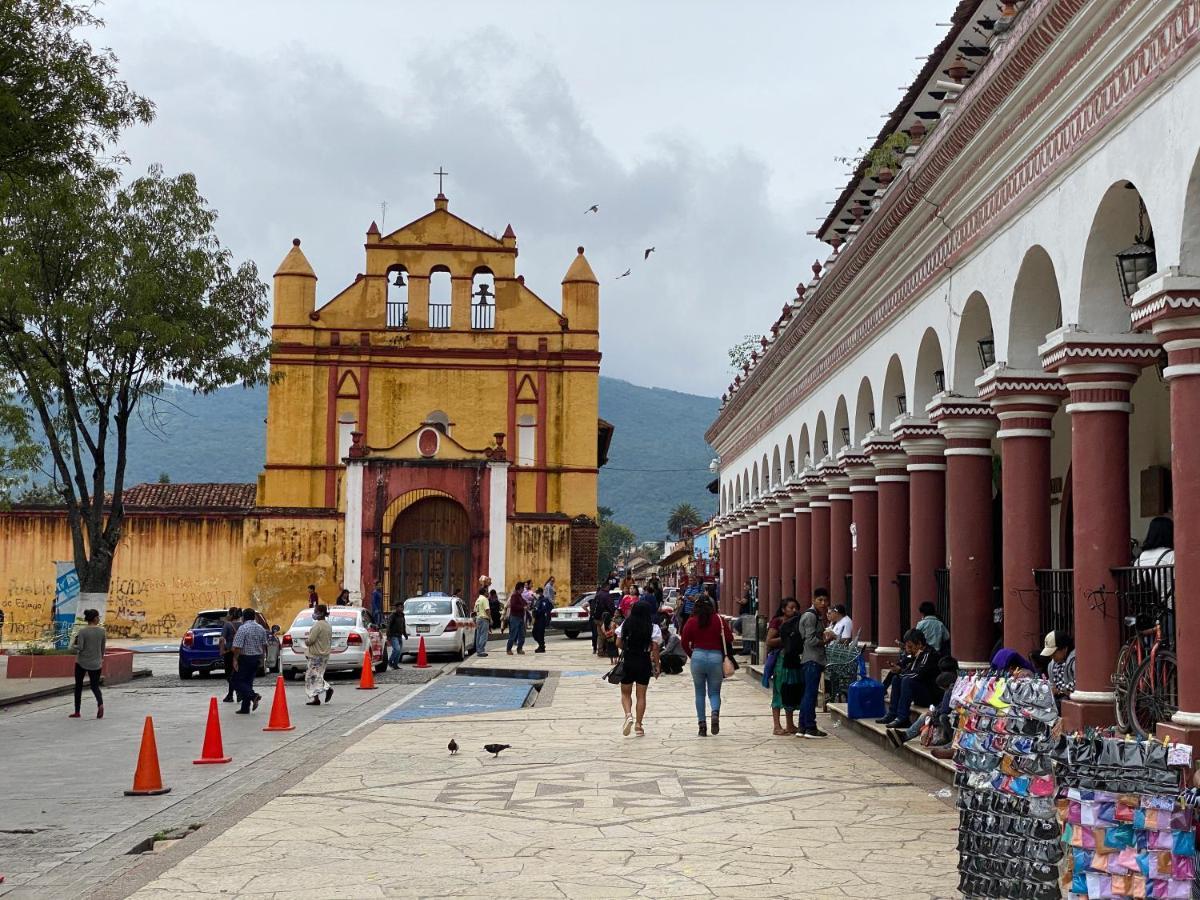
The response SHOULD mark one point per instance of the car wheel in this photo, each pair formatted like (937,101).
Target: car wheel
(572,633)
(381,666)
(278,669)
(185,672)
(462,650)
(291,674)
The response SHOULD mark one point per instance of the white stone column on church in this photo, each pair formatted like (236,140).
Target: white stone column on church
(497,525)
(352,564)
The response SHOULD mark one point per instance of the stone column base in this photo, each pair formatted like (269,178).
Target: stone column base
(1078,715)
(1186,732)
(882,659)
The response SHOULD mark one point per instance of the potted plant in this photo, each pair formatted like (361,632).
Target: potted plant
(883,160)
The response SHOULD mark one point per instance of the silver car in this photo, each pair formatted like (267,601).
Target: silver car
(354,633)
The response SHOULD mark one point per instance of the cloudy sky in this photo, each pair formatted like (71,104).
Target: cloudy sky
(706,129)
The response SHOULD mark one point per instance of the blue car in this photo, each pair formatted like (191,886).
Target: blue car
(200,648)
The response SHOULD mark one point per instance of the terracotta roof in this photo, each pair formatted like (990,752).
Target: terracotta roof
(191,496)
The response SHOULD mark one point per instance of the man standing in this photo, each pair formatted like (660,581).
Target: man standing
(317,647)
(249,644)
(814,636)
(397,630)
(228,630)
(601,604)
(377,603)
(516,620)
(550,590)
(541,619)
(483,618)
(313,599)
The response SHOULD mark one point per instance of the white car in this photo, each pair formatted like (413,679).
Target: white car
(575,619)
(354,632)
(443,621)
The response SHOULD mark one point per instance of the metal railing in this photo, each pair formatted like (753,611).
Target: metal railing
(1056,599)
(1146,591)
(439,315)
(942,601)
(483,316)
(397,314)
(904,587)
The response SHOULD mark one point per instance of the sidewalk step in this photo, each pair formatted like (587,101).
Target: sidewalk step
(912,752)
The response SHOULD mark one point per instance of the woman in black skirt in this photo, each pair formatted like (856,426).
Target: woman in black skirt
(638,639)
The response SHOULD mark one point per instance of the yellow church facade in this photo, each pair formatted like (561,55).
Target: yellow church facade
(447,412)
(432,422)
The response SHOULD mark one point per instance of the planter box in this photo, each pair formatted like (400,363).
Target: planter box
(116,669)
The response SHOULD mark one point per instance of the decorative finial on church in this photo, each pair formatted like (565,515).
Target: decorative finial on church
(295,242)
(579,250)
(441,173)
(374,229)
(816,268)
(508,231)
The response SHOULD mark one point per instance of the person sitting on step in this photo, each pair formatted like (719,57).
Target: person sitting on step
(915,684)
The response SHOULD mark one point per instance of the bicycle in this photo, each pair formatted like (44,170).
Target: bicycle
(1146,681)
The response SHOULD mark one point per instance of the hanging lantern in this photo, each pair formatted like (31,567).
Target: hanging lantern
(939,381)
(901,404)
(987,351)
(1138,262)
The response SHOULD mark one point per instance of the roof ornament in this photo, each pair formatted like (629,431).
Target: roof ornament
(816,268)
(441,173)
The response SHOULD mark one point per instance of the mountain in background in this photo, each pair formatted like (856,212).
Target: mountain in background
(658,457)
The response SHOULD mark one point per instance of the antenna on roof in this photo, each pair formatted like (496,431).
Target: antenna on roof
(383,212)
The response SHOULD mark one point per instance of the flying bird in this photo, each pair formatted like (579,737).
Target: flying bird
(624,274)
(452,746)
(495,749)
(595,207)
(646,255)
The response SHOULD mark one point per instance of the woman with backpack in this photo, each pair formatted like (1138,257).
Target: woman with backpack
(786,678)
(638,639)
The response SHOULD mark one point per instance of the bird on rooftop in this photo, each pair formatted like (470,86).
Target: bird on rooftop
(624,274)
(452,746)
(646,255)
(495,749)
(595,207)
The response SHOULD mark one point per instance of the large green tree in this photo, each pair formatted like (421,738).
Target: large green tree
(682,517)
(107,294)
(613,538)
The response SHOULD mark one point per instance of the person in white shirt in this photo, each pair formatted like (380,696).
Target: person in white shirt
(841,624)
(1159,547)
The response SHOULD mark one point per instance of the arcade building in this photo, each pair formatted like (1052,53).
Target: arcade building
(990,388)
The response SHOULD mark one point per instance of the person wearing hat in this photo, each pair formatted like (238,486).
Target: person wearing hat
(1011,662)
(1060,651)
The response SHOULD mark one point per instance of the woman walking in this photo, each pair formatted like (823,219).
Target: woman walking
(317,647)
(706,637)
(638,639)
(785,677)
(88,644)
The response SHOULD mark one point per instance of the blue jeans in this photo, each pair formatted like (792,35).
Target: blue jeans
(516,632)
(808,706)
(397,644)
(707,676)
(482,627)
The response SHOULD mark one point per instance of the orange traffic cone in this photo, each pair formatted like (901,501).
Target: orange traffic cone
(280,720)
(422,658)
(214,750)
(147,779)
(367,681)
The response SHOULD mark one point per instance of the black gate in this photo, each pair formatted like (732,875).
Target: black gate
(421,568)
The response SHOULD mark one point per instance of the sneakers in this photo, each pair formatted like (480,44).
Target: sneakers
(481,655)
(812,733)
(886,720)
(628,726)
(228,699)
(520,653)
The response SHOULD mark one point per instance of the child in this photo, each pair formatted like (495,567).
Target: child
(611,624)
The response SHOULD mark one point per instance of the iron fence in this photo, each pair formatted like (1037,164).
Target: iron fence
(904,587)
(942,601)
(1146,591)
(439,315)
(397,314)
(1056,599)
(483,316)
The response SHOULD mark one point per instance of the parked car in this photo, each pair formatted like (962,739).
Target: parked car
(443,621)
(200,648)
(575,619)
(354,631)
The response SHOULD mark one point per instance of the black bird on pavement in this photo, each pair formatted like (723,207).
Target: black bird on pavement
(452,746)
(495,749)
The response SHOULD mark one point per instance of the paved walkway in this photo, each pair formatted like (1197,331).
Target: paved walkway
(576,810)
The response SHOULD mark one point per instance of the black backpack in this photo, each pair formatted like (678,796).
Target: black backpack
(793,642)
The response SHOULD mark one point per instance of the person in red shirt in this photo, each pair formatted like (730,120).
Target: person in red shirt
(516,619)
(706,638)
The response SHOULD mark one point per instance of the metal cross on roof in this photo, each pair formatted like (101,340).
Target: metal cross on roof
(440,174)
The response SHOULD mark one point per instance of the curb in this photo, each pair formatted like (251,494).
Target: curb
(59,691)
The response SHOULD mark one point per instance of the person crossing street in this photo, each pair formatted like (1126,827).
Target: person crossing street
(317,647)
(483,617)
(542,606)
(397,631)
(249,644)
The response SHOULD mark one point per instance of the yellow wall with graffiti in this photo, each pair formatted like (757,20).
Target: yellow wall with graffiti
(168,567)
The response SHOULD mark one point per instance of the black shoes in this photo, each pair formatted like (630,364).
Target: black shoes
(716,723)
(328,694)
(254,702)
(228,699)
(886,720)
(814,733)
(703,728)
(315,701)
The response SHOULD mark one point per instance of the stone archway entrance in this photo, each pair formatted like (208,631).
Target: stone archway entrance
(429,550)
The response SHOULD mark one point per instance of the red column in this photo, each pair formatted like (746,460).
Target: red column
(751,550)
(787,567)
(840,516)
(1099,373)
(803,551)
(819,544)
(892,480)
(774,555)
(763,565)
(864,540)
(926,507)
(1024,402)
(1179,332)
(968,426)
(725,551)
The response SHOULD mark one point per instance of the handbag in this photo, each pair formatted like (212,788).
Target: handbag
(728,666)
(769,668)
(617,672)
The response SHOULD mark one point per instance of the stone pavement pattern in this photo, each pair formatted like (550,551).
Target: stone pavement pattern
(575,810)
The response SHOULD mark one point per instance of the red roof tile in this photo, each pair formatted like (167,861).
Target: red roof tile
(190,496)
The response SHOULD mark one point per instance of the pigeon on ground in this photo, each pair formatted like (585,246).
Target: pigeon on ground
(624,274)
(595,207)
(495,749)
(646,255)
(452,746)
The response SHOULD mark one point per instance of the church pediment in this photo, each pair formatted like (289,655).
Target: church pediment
(441,228)
(428,443)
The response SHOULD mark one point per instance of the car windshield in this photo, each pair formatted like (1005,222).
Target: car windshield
(335,617)
(423,607)
(210,619)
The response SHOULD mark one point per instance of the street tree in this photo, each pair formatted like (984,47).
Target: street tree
(612,539)
(61,101)
(682,517)
(109,293)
